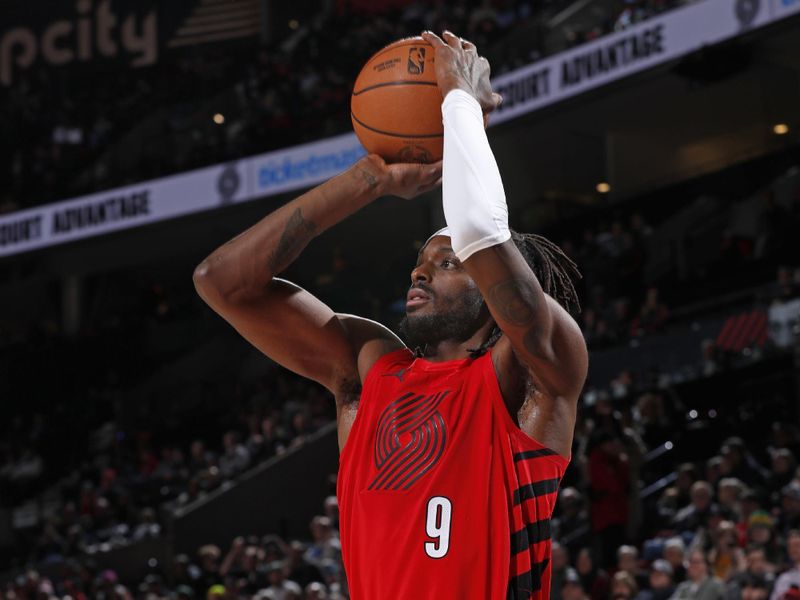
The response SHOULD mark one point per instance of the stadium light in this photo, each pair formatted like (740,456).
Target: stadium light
(603,187)
(219,118)
(781,129)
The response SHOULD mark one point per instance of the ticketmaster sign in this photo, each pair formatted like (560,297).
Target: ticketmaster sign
(530,88)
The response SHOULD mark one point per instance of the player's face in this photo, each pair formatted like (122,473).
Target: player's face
(443,302)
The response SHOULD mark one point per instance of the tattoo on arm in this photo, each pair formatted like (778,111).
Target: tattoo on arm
(297,233)
(371,180)
(514,300)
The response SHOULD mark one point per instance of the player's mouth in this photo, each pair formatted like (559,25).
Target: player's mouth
(416,297)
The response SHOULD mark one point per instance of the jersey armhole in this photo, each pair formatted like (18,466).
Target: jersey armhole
(560,461)
(374,371)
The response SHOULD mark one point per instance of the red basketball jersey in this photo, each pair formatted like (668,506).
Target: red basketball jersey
(441,495)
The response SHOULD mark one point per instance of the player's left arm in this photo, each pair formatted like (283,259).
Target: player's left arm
(541,341)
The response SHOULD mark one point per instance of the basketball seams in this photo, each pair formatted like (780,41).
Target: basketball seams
(398,135)
(387,83)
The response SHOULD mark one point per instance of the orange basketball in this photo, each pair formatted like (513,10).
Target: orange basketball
(396,105)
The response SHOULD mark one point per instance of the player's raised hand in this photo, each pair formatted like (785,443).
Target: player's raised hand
(405,180)
(458,66)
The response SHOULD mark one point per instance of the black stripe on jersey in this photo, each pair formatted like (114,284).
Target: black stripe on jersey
(523,586)
(532,533)
(537,488)
(533,454)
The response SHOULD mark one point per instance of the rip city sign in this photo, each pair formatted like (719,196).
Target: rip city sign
(92,30)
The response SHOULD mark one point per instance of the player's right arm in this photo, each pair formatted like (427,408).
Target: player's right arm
(288,324)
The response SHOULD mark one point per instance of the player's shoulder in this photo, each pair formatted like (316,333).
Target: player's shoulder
(369,339)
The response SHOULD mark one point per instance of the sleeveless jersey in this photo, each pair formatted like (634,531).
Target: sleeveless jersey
(441,495)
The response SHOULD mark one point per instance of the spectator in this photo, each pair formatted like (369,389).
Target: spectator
(570,525)
(326,545)
(560,557)
(280,587)
(790,508)
(725,557)
(235,457)
(300,570)
(623,586)
(209,556)
(609,480)
(661,585)
(790,578)
(316,591)
(674,553)
(758,574)
(700,585)
(739,463)
(729,491)
(572,586)
(782,472)
(594,580)
(687,476)
(694,516)
(331,506)
(761,531)
(755,588)
(651,317)
(628,562)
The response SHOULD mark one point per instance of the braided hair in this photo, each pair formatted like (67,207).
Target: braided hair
(554,270)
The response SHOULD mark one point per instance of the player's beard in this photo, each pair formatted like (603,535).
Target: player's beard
(457,321)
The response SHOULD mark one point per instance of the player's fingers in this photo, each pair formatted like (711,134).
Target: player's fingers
(435,171)
(430,186)
(452,40)
(433,39)
(468,46)
(498,99)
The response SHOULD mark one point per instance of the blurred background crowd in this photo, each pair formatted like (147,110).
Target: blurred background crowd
(684,481)
(75,138)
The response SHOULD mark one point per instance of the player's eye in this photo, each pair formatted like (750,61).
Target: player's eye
(448,263)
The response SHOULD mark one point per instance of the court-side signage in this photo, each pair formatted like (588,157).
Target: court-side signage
(178,195)
(783,8)
(530,88)
(305,165)
(652,42)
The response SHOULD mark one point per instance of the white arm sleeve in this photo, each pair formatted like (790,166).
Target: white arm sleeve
(472,192)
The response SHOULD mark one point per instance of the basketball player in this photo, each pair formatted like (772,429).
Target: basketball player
(452,449)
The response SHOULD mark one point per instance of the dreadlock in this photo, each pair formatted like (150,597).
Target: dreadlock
(554,270)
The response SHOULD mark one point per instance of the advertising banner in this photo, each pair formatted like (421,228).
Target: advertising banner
(130,33)
(650,43)
(168,197)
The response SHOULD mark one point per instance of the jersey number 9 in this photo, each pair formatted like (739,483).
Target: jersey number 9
(437,526)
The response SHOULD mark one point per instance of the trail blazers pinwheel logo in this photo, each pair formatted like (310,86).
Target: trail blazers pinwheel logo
(410,441)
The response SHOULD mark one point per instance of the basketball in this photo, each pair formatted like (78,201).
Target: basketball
(396,106)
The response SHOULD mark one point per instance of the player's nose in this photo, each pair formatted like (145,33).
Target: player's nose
(420,273)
